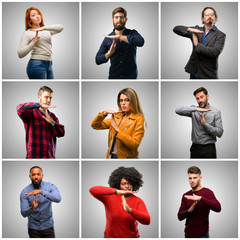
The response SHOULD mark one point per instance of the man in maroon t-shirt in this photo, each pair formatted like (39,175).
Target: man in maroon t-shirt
(196,205)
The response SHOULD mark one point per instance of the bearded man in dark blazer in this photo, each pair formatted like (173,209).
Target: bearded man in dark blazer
(208,43)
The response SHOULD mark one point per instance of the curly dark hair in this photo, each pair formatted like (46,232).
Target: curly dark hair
(130,174)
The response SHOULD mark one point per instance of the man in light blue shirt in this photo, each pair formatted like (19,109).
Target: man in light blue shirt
(206,125)
(36,204)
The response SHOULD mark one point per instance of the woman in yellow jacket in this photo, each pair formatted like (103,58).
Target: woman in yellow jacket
(126,127)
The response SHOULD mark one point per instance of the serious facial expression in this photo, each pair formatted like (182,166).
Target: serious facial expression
(209,17)
(36,176)
(125,103)
(119,21)
(194,180)
(202,99)
(45,98)
(125,185)
(35,17)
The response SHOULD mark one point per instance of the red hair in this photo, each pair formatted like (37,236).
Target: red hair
(27,18)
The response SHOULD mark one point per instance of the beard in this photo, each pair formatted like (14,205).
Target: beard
(203,104)
(36,185)
(209,21)
(195,187)
(120,26)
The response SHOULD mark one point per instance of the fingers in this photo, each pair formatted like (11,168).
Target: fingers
(51,106)
(30,193)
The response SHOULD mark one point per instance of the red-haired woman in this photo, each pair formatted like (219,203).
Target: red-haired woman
(37,40)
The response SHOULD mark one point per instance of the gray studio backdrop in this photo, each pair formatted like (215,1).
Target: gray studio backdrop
(65,45)
(65,97)
(176,50)
(97,174)
(176,129)
(99,96)
(219,176)
(97,20)
(15,177)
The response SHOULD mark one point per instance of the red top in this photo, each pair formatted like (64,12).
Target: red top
(197,223)
(120,223)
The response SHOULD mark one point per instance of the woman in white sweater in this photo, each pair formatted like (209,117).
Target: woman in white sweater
(37,39)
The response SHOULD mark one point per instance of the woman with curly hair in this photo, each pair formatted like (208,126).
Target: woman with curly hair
(37,39)
(126,127)
(123,209)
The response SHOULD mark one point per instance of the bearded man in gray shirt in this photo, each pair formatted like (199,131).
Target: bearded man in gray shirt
(206,125)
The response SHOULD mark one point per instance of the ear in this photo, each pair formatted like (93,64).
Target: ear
(38,97)
(207,97)
(42,176)
(30,177)
(126,20)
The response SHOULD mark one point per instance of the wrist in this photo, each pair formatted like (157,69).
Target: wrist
(53,123)
(104,114)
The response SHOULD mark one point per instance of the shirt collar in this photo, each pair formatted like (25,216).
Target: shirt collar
(213,28)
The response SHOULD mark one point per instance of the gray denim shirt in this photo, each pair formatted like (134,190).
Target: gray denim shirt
(203,134)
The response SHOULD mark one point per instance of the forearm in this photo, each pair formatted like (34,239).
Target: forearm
(131,142)
(213,204)
(182,214)
(26,212)
(52,194)
(101,54)
(185,111)
(54,29)
(182,31)
(134,38)
(99,123)
(24,109)
(211,51)
(99,192)
(141,216)
(216,131)
(23,50)
(58,129)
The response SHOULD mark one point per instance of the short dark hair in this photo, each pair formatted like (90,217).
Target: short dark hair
(119,9)
(194,169)
(201,89)
(33,168)
(209,8)
(44,89)
(130,174)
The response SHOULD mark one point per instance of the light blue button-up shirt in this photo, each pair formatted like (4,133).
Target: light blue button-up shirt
(41,217)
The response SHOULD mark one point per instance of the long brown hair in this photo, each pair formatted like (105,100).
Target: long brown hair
(134,100)
(28,23)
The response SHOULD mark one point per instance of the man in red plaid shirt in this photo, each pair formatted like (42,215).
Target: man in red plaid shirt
(41,126)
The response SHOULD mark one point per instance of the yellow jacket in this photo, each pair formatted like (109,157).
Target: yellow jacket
(128,138)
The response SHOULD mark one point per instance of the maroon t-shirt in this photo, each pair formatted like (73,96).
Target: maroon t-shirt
(197,223)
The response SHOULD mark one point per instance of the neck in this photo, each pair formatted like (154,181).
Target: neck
(208,27)
(36,26)
(127,196)
(199,187)
(118,32)
(127,113)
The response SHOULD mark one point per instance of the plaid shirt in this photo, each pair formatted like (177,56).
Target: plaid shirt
(40,135)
